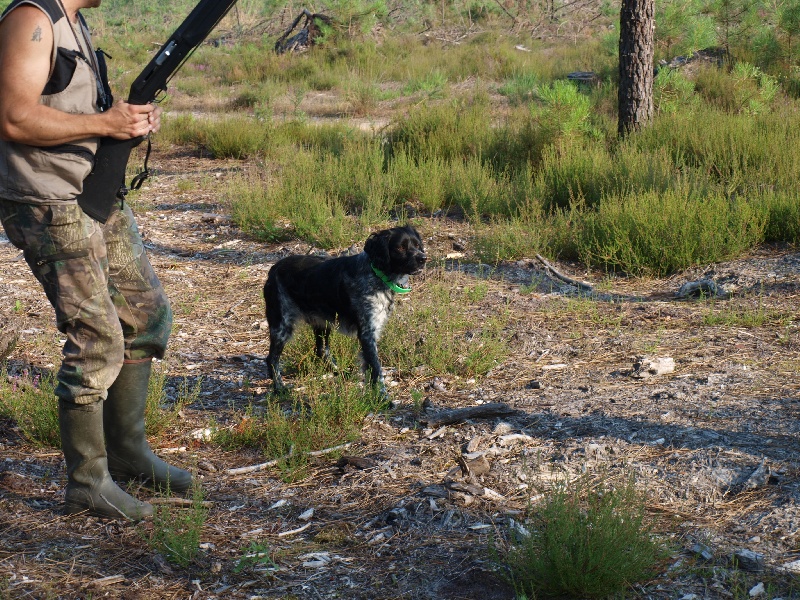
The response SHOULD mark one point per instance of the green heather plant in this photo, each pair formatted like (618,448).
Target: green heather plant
(159,415)
(322,411)
(520,89)
(659,233)
(584,542)
(30,401)
(524,236)
(175,532)
(783,222)
(444,330)
(673,92)
(256,555)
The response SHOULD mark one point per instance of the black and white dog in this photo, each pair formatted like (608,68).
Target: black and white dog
(354,293)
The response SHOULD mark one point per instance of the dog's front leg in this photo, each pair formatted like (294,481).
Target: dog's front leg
(274,373)
(372,364)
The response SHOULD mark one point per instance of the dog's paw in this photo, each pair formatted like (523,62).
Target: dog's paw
(282,391)
(384,399)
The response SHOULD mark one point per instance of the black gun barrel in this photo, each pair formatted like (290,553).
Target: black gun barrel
(190,34)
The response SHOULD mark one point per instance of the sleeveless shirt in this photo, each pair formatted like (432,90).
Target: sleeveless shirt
(51,174)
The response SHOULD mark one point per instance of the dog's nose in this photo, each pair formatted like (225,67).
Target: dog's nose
(422,257)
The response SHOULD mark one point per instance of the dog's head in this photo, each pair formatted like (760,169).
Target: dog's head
(396,251)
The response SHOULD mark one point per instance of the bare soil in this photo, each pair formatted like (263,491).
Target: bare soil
(713,444)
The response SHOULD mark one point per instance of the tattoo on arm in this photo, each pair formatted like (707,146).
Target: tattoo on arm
(37,34)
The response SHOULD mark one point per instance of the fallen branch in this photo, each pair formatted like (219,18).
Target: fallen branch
(584,286)
(294,531)
(272,463)
(187,502)
(456,415)
(104,581)
(329,450)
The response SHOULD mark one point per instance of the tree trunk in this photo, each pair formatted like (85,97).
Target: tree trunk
(636,32)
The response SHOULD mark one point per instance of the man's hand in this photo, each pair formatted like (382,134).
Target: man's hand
(128,121)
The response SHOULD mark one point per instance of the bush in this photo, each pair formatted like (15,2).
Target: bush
(585,543)
(660,233)
(175,532)
(324,412)
(30,401)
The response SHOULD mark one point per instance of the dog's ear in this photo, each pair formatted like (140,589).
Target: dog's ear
(377,248)
(413,232)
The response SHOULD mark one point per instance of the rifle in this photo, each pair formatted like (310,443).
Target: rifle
(106,183)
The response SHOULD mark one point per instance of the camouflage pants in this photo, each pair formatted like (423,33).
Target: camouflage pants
(107,298)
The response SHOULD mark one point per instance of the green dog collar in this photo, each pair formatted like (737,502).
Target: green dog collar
(389,283)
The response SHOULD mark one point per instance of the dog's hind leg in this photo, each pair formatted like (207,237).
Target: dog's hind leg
(323,348)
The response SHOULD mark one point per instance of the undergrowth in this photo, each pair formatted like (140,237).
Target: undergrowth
(583,541)
(29,400)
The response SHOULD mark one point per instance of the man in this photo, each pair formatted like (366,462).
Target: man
(107,299)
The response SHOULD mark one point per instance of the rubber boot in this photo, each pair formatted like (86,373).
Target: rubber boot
(129,455)
(89,484)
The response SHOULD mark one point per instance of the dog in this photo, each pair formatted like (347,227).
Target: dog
(355,294)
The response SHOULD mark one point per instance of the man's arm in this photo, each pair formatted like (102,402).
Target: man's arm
(26,41)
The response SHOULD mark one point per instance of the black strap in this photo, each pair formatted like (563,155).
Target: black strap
(137,181)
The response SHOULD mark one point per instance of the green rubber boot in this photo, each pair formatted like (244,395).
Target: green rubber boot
(89,485)
(129,455)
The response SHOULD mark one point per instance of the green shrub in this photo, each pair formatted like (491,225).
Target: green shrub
(564,112)
(249,198)
(673,92)
(783,221)
(520,89)
(522,237)
(30,401)
(745,90)
(660,233)
(584,542)
(236,137)
(175,532)
(444,332)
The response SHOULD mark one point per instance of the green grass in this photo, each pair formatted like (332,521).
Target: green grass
(745,313)
(175,531)
(30,401)
(584,542)
(445,330)
(321,412)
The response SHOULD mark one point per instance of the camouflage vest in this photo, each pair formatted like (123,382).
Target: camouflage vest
(43,175)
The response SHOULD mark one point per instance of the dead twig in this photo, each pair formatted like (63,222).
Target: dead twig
(584,286)
(272,463)
(105,581)
(187,502)
(482,411)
